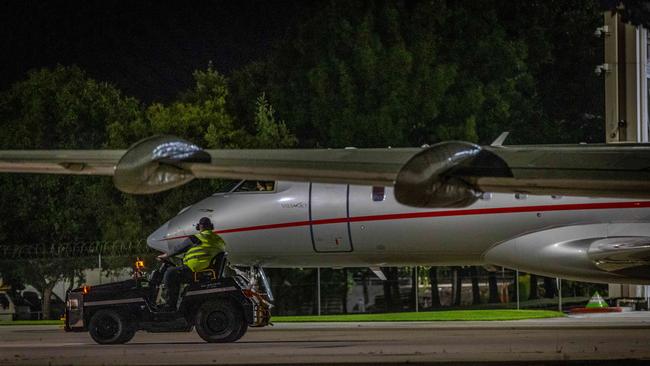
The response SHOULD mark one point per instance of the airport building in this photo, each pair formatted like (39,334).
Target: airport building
(625,70)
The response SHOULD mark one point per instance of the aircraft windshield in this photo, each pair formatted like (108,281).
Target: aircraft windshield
(256,186)
(227,186)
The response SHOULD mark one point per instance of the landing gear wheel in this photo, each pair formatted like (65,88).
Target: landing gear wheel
(220,322)
(110,327)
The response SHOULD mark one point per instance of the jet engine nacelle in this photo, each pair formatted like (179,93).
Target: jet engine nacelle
(612,252)
(432,178)
(154,165)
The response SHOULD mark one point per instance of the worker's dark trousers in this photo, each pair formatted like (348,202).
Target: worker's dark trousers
(172,280)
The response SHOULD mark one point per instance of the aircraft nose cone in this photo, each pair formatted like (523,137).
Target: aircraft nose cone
(157,239)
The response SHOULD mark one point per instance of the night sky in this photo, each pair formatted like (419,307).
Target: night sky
(148,49)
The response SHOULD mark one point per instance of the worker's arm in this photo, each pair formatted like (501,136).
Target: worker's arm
(182,247)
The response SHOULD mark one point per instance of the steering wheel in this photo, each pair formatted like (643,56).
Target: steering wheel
(166,261)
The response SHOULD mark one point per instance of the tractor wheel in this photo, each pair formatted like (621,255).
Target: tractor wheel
(220,321)
(110,327)
(242,330)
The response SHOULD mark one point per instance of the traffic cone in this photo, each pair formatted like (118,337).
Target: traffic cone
(596,301)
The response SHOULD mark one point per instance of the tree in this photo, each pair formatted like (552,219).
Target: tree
(435,294)
(389,297)
(200,115)
(294,290)
(493,296)
(349,85)
(567,97)
(395,73)
(533,288)
(414,286)
(550,287)
(392,296)
(365,282)
(345,289)
(394,276)
(476,291)
(56,108)
(270,133)
(457,285)
(63,108)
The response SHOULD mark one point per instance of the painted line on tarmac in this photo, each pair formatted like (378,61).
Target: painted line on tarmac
(39,345)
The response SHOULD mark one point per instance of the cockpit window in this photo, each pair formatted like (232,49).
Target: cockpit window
(226,186)
(256,186)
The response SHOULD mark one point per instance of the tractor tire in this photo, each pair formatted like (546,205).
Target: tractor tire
(220,321)
(242,330)
(110,326)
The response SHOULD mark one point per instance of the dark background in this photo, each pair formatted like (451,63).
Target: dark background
(148,49)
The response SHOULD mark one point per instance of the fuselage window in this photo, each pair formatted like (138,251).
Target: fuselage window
(256,186)
(378,194)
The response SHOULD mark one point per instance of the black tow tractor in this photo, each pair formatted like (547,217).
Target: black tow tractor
(221,308)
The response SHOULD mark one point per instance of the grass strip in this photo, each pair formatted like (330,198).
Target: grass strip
(451,315)
(31,322)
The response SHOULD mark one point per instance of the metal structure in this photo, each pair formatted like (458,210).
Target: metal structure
(626,80)
(626,76)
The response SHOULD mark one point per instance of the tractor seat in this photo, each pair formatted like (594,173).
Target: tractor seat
(215,269)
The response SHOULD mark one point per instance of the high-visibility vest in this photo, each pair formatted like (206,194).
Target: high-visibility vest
(198,257)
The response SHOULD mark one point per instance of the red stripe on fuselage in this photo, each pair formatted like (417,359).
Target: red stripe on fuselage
(447,213)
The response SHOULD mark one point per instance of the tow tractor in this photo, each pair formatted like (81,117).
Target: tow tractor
(220,307)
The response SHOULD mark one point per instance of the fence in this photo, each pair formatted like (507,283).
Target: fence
(74,250)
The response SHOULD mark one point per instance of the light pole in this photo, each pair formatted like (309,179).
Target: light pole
(517,286)
(318,290)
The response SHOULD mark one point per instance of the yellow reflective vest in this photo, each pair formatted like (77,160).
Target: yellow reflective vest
(198,257)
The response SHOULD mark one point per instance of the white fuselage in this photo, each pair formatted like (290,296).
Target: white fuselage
(330,225)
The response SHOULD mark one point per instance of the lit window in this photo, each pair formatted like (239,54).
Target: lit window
(378,194)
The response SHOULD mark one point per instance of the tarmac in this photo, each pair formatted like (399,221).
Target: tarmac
(582,339)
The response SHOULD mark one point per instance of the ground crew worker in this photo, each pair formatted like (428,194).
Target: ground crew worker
(199,250)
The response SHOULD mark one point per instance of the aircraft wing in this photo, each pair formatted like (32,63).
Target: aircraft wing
(448,174)
(352,166)
(163,162)
(78,162)
(455,173)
